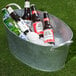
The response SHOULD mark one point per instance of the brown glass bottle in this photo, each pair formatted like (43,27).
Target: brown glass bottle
(37,24)
(27,11)
(20,22)
(48,30)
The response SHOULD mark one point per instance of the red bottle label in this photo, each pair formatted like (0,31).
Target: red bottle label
(38,27)
(46,19)
(33,12)
(48,35)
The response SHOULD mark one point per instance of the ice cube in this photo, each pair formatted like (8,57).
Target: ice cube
(32,36)
(44,44)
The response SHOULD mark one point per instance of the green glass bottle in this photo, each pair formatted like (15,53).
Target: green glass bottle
(11,24)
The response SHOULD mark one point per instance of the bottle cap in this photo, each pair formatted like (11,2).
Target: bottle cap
(9,9)
(27,4)
(45,12)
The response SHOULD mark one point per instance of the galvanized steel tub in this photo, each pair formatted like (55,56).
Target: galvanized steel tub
(44,58)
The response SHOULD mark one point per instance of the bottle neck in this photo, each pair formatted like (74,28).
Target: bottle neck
(46,21)
(13,14)
(34,10)
(47,24)
(35,15)
(35,18)
(27,14)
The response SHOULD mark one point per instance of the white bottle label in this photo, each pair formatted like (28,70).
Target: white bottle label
(38,27)
(22,25)
(10,10)
(48,35)
(27,4)
(28,22)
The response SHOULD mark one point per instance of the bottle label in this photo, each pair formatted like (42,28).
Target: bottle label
(33,12)
(38,27)
(10,10)
(48,35)
(46,19)
(5,14)
(11,24)
(27,4)
(22,25)
(28,22)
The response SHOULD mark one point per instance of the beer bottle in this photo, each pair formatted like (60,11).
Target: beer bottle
(27,11)
(48,30)
(37,24)
(20,22)
(10,23)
